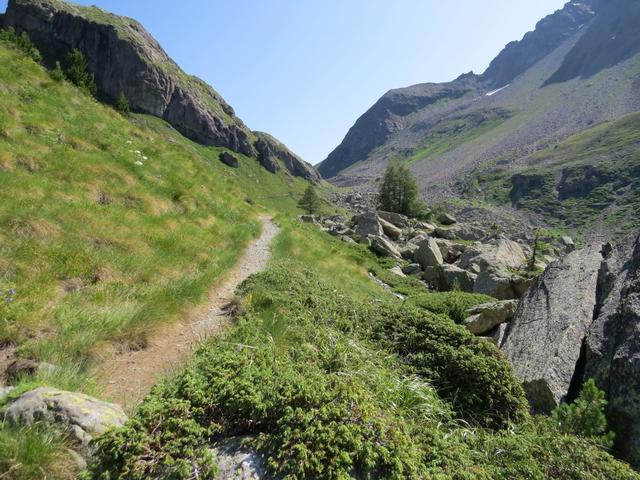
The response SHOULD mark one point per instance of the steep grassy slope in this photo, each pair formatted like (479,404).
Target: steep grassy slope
(592,179)
(109,225)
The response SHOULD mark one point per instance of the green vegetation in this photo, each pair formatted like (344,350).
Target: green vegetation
(76,71)
(123,105)
(310,201)
(105,230)
(453,132)
(399,191)
(329,381)
(593,176)
(21,42)
(585,416)
(34,453)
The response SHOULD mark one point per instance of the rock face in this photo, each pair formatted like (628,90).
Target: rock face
(268,146)
(126,59)
(546,335)
(368,224)
(613,346)
(237,462)
(80,415)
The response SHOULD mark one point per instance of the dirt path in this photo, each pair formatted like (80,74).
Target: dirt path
(129,376)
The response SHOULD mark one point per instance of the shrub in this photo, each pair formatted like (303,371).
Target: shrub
(76,71)
(57,73)
(22,42)
(585,417)
(123,105)
(310,201)
(453,304)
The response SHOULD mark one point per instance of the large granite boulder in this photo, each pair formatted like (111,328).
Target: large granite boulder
(397,219)
(384,247)
(390,230)
(613,346)
(229,160)
(484,318)
(545,337)
(367,224)
(81,416)
(429,254)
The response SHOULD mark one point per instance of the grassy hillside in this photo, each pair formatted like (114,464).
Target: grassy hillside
(109,225)
(590,179)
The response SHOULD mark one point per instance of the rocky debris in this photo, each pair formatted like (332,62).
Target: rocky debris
(384,247)
(412,269)
(310,219)
(396,219)
(5,391)
(238,462)
(390,229)
(409,251)
(451,251)
(488,316)
(368,224)
(446,219)
(230,160)
(445,233)
(429,254)
(500,284)
(81,416)
(452,277)
(545,338)
(612,347)
(469,232)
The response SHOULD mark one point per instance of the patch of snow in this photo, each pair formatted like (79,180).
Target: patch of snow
(493,92)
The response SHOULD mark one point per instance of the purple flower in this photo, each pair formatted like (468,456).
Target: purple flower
(12,292)
(9,300)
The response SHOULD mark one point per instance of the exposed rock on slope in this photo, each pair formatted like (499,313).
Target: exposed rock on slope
(269,147)
(545,338)
(126,59)
(613,346)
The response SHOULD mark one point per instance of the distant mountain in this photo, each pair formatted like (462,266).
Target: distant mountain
(580,67)
(126,59)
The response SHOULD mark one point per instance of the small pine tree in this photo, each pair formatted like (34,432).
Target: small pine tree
(76,71)
(585,417)
(310,201)
(57,74)
(123,105)
(22,42)
(538,247)
(399,191)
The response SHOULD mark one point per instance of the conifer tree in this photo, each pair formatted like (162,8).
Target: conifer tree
(310,201)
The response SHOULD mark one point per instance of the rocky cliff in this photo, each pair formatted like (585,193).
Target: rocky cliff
(126,59)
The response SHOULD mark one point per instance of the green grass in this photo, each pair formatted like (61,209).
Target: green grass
(328,376)
(100,243)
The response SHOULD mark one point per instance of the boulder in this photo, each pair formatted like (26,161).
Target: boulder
(451,251)
(500,284)
(469,232)
(497,254)
(429,254)
(412,269)
(452,276)
(445,233)
(395,219)
(487,316)
(347,239)
(446,219)
(230,160)
(390,229)
(409,251)
(238,462)
(310,219)
(545,337)
(368,224)
(613,346)
(384,247)
(567,244)
(429,227)
(397,270)
(81,416)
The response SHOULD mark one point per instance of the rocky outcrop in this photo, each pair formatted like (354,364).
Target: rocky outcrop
(613,346)
(484,318)
(368,224)
(126,59)
(238,462)
(230,160)
(545,338)
(429,254)
(269,148)
(79,415)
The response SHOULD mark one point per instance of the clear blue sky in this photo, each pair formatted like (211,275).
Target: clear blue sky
(305,70)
